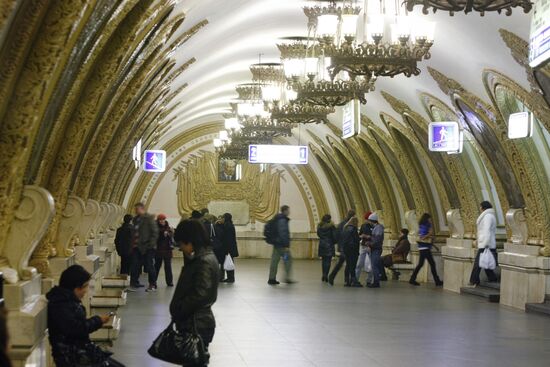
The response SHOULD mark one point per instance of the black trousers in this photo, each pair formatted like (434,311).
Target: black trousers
(476,271)
(230,273)
(167,268)
(325,265)
(125,264)
(426,255)
(146,260)
(338,266)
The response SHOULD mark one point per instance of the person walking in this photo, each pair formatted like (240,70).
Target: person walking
(281,247)
(146,232)
(197,287)
(399,254)
(229,243)
(350,243)
(326,231)
(165,244)
(342,257)
(426,236)
(375,247)
(123,244)
(486,238)
(365,233)
(68,328)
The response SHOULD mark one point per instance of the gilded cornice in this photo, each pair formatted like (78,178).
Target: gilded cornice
(540,179)
(517,175)
(92,99)
(36,82)
(147,104)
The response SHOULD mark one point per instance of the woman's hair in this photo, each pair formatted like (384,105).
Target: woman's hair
(192,231)
(405,231)
(424,219)
(4,339)
(326,218)
(75,276)
(228,218)
(485,205)
(127,218)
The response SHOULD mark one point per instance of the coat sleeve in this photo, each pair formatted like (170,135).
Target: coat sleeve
(185,305)
(72,325)
(154,230)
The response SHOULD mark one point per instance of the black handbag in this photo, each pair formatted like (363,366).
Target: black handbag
(183,348)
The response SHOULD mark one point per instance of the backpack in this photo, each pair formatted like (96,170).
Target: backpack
(270,231)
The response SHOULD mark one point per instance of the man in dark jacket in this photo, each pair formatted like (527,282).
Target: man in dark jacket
(375,244)
(69,330)
(281,248)
(123,243)
(146,232)
(342,257)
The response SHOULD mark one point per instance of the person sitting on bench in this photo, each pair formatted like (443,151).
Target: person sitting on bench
(398,255)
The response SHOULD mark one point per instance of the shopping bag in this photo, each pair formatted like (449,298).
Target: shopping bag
(487,260)
(228,264)
(368,265)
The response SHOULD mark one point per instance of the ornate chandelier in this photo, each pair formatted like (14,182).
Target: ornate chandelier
(385,45)
(468,6)
(308,76)
(300,113)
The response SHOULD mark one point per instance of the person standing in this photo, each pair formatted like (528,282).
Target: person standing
(217,245)
(426,236)
(486,238)
(365,233)
(165,244)
(375,247)
(342,257)
(197,287)
(146,230)
(123,244)
(326,233)
(350,243)
(281,247)
(229,243)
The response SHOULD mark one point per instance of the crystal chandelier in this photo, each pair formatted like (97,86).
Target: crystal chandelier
(383,42)
(468,6)
(307,74)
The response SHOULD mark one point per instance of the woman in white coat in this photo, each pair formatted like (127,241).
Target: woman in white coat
(486,238)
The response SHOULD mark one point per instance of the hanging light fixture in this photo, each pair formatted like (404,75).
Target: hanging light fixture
(387,44)
(468,6)
(307,74)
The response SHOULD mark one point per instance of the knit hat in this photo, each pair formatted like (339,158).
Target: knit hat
(367,215)
(161,217)
(373,217)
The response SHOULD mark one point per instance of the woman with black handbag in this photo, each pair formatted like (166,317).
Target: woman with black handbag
(191,306)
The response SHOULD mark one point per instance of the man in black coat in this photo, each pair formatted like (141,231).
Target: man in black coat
(69,330)
(281,248)
(123,243)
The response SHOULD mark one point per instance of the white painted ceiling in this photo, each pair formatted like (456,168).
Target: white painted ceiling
(239,30)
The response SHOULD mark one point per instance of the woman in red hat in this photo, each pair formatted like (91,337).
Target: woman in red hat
(165,244)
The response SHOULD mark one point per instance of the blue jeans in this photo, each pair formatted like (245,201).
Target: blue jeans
(375,260)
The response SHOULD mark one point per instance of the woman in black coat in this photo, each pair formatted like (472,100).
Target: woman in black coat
(350,244)
(197,288)
(327,239)
(229,242)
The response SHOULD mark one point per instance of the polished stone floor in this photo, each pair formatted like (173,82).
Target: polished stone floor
(313,324)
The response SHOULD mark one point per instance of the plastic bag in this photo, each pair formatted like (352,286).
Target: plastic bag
(487,260)
(228,264)
(368,265)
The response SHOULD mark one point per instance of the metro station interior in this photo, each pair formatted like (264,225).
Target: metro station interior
(91,90)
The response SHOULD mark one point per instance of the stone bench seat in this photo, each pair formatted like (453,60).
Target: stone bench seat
(117,281)
(109,332)
(108,298)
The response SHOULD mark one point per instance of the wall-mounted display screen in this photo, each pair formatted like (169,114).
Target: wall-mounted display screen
(278,154)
